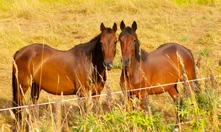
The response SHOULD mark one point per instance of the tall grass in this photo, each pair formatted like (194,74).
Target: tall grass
(65,23)
(197,113)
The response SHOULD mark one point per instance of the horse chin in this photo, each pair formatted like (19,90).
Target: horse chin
(108,68)
(126,67)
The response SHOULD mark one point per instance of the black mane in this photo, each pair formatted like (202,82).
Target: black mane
(93,51)
(96,51)
(97,59)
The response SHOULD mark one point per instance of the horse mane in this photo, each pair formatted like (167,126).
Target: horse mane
(96,51)
(88,47)
(140,54)
(95,39)
(92,50)
(137,50)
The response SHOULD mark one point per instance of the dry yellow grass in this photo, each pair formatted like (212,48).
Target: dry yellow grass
(65,23)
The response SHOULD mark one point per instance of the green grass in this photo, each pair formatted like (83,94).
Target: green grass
(200,2)
(118,120)
(204,52)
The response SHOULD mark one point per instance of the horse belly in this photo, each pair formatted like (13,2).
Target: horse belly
(158,90)
(59,89)
(150,88)
(55,83)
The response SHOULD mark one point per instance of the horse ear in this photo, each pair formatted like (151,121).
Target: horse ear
(134,26)
(122,25)
(115,27)
(102,27)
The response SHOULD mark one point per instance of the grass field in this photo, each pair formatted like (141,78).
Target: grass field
(62,24)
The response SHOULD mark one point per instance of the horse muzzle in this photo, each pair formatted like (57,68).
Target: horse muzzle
(126,63)
(108,65)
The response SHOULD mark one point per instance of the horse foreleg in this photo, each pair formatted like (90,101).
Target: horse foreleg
(144,97)
(96,96)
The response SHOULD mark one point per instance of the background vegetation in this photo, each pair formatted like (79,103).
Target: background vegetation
(62,24)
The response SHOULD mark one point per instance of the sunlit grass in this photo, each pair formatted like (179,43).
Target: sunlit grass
(65,23)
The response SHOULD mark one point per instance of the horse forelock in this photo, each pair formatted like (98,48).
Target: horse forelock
(108,30)
(127,30)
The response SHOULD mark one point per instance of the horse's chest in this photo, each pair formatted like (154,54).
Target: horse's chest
(138,79)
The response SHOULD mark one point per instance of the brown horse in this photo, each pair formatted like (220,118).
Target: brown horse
(75,71)
(162,66)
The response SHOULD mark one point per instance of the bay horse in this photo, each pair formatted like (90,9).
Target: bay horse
(161,66)
(74,71)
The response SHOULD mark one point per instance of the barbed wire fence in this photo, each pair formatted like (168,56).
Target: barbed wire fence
(105,94)
(60,123)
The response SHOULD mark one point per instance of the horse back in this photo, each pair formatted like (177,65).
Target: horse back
(173,51)
(29,51)
(172,58)
(37,61)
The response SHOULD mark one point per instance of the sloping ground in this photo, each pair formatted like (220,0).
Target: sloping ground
(63,24)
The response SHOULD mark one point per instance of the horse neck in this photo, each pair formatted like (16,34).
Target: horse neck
(137,64)
(96,52)
(92,50)
(134,65)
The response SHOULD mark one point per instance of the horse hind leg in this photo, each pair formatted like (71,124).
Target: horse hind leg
(193,85)
(19,90)
(189,73)
(18,101)
(35,92)
(174,94)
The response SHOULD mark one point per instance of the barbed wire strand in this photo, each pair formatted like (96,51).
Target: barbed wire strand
(104,94)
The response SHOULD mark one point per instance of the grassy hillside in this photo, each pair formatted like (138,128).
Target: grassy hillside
(62,24)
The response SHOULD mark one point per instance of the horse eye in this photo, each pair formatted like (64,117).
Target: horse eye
(115,42)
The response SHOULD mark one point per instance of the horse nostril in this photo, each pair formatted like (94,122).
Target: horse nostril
(108,64)
(111,65)
(126,62)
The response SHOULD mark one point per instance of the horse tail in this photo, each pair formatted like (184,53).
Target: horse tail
(197,65)
(14,86)
(193,75)
(198,61)
(190,72)
(15,90)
